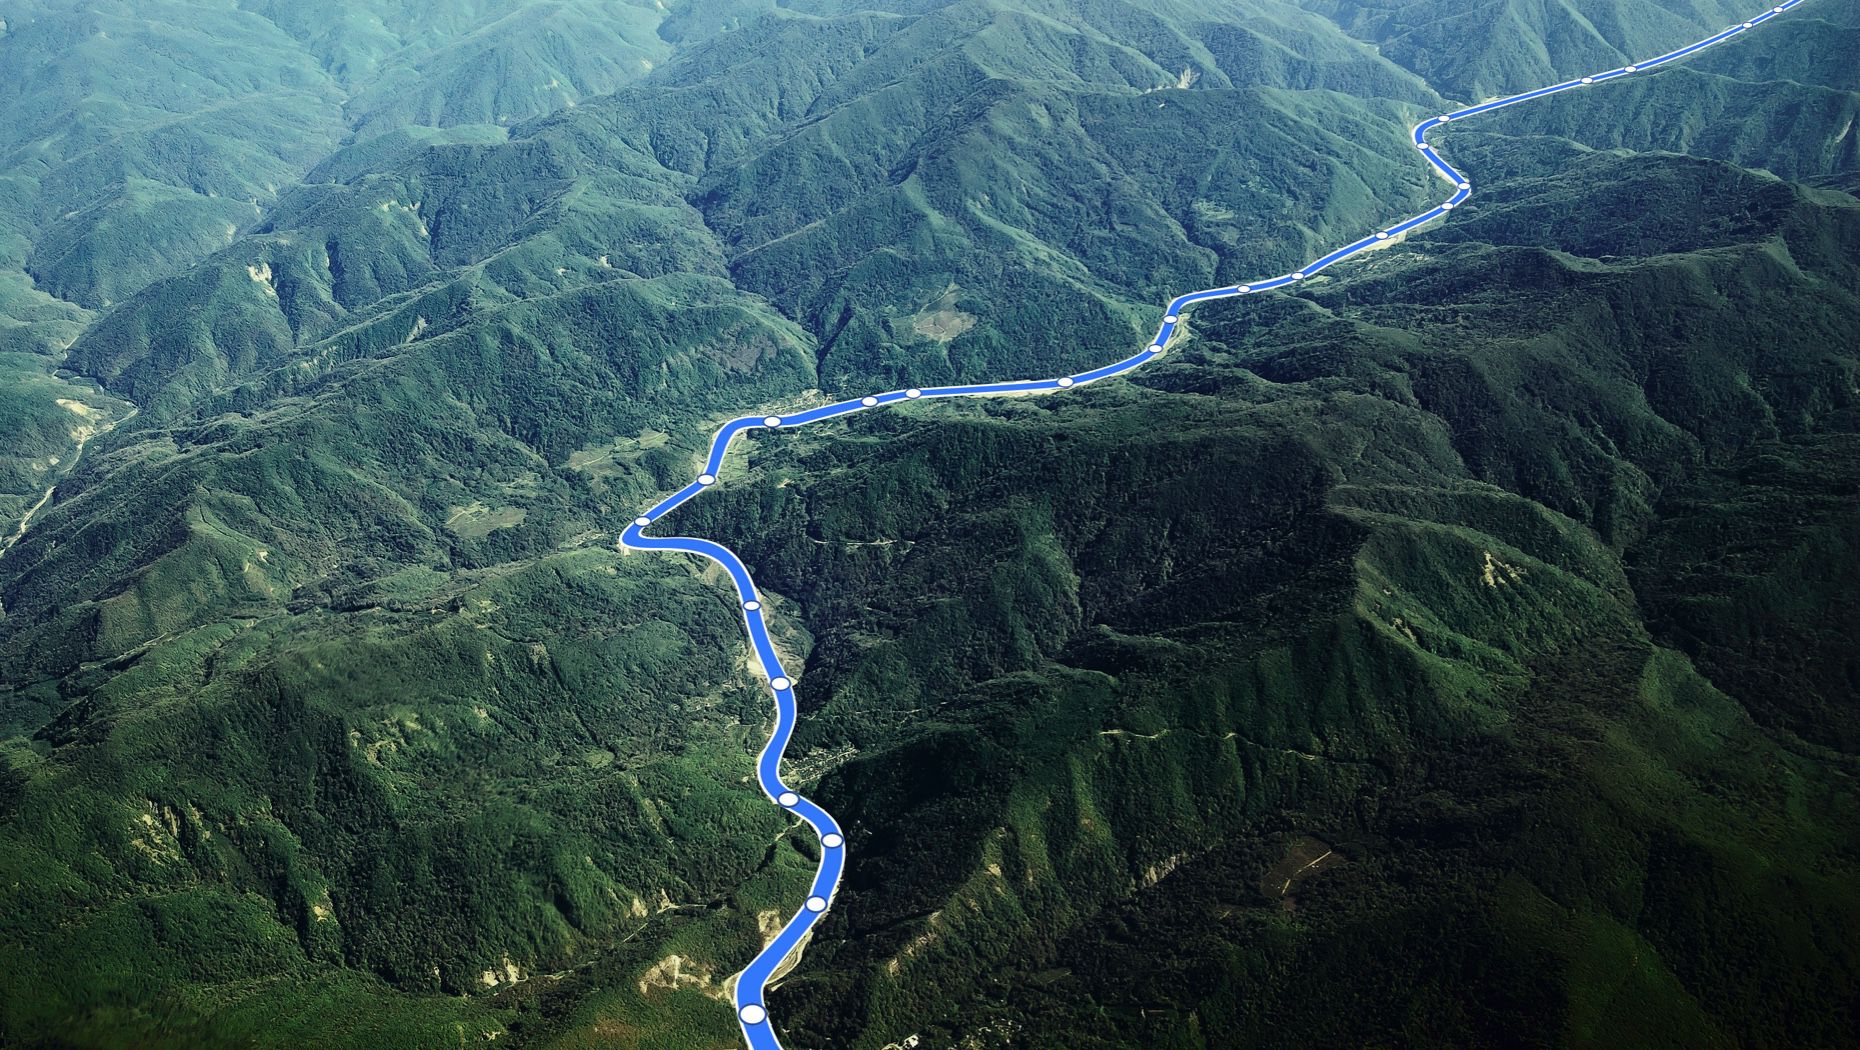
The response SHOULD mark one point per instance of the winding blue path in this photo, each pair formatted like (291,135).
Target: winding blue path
(752,983)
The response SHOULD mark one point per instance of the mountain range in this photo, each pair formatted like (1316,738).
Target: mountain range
(1456,651)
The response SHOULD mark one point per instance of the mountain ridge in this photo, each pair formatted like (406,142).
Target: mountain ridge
(330,701)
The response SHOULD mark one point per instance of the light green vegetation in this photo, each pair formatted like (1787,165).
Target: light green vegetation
(1513,564)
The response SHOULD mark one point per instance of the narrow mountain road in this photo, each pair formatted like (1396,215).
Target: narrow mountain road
(752,983)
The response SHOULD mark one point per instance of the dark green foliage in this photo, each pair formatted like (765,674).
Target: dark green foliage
(1750,573)
(1458,652)
(1423,657)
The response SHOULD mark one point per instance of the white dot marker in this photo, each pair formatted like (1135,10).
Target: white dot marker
(1466,185)
(778,684)
(789,798)
(1420,145)
(868,401)
(707,479)
(1588,80)
(1448,206)
(1777,10)
(1382,235)
(753,1014)
(1298,277)
(1630,69)
(1746,25)
(772,421)
(642,521)
(1243,289)
(1171,319)
(1444,117)
(1156,348)
(832,840)
(913,392)
(1065,381)
(816,904)
(752,605)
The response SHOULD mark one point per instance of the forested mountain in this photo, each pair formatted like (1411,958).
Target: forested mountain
(1456,651)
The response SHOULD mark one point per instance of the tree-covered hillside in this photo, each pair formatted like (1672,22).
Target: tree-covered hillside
(1459,651)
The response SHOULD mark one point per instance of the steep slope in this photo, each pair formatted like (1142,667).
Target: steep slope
(144,137)
(1181,712)
(388,424)
(1488,48)
(1179,707)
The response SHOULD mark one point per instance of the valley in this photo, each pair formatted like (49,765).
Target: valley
(1509,562)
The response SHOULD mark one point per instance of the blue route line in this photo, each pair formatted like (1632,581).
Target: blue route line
(752,983)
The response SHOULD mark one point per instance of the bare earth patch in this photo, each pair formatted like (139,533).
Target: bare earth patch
(261,274)
(1305,857)
(674,972)
(1499,573)
(941,320)
(600,461)
(475,521)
